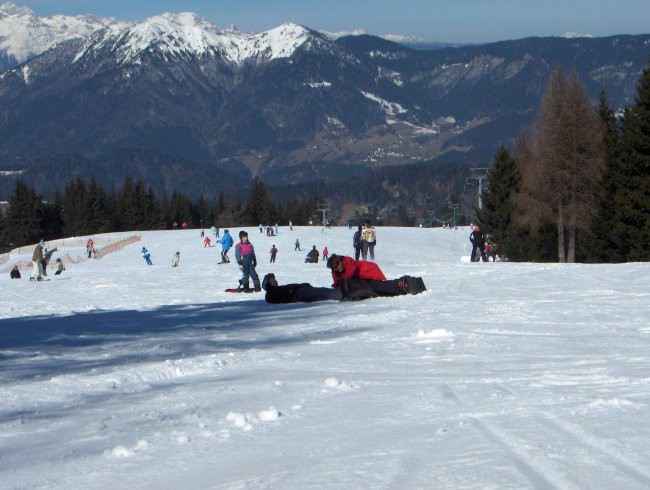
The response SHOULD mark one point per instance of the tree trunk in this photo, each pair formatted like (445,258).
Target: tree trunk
(561,257)
(571,253)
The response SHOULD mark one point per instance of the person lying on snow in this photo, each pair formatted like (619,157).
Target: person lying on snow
(345,269)
(348,289)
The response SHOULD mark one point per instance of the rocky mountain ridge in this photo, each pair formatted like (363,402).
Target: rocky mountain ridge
(288,104)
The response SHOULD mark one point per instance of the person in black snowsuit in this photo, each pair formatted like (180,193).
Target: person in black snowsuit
(349,290)
(356,242)
(15,273)
(478,242)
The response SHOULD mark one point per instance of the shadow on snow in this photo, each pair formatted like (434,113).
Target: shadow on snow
(48,346)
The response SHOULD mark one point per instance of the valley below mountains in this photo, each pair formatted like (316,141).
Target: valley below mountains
(188,106)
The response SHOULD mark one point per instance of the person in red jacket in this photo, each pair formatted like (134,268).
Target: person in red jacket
(349,274)
(348,268)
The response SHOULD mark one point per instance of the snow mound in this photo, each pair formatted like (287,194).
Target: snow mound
(435,335)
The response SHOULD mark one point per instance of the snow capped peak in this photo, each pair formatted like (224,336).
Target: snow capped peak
(10,9)
(336,35)
(23,34)
(183,34)
(574,35)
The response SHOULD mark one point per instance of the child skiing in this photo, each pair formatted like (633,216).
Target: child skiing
(273,252)
(245,257)
(147,256)
(176,258)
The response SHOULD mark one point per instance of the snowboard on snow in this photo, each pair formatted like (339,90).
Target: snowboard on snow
(240,290)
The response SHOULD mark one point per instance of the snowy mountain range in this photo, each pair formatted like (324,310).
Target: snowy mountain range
(289,104)
(24,35)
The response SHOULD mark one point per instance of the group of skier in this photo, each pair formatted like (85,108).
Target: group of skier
(40,258)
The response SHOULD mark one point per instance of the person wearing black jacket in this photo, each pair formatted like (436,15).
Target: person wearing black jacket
(478,242)
(356,242)
(15,273)
(349,290)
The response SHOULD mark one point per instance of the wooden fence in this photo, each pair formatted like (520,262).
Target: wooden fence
(114,247)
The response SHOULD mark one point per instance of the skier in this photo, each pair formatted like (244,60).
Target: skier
(290,225)
(206,242)
(176,258)
(147,256)
(59,267)
(245,257)
(226,242)
(478,243)
(325,254)
(297,247)
(273,252)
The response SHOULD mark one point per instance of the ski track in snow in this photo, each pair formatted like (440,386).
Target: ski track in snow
(499,376)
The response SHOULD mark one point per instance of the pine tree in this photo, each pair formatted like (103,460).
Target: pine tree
(74,212)
(153,211)
(605,237)
(24,216)
(180,208)
(632,196)
(259,208)
(52,222)
(127,211)
(496,217)
(3,227)
(200,213)
(96,205)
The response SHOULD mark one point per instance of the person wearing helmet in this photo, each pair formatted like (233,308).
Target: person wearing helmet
(245,257)
(296,293)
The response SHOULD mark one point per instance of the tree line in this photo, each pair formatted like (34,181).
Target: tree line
(86,208)
(576,187)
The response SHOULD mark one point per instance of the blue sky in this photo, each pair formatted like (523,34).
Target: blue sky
(472,21)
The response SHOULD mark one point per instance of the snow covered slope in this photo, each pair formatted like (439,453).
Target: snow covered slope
(500,376)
